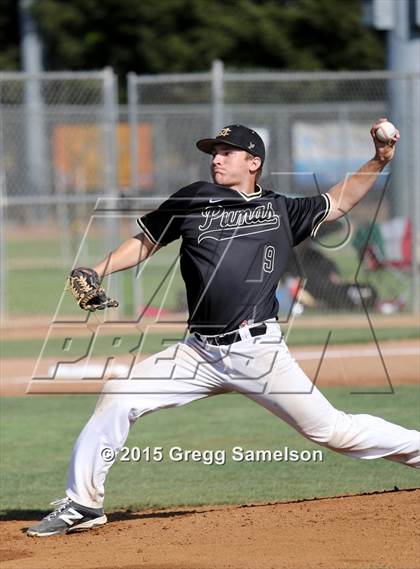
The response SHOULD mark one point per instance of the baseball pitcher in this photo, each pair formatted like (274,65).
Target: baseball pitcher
(236,238)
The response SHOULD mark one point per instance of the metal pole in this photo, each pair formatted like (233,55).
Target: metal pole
(133,102)
(36,147)
(344,126)
(281,160)
(162,172)
(63,216)
(3,297)
(414,121)
(403,46)
(132,117)
(217,91)
(110,169)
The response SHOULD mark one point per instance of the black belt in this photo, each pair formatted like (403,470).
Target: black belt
(225,339)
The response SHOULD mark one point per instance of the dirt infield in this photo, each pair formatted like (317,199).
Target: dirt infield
(347,366)
(376,531)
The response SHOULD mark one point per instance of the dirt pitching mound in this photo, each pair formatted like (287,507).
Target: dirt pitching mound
(358,532)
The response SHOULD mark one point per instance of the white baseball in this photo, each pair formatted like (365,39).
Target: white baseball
(385,131)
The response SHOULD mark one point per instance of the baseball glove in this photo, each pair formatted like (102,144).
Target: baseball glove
(86,288)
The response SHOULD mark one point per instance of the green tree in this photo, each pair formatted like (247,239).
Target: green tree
(329,34)
(9,35)
(152,36)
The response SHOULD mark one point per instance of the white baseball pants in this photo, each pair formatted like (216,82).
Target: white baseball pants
(262,369)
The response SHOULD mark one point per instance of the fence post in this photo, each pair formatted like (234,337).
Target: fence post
(217,93)
(110,167)
(137,289)
(414,121)
(36,151)
(3,296)
(132,118)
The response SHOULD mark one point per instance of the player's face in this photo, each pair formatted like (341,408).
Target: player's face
(230,166)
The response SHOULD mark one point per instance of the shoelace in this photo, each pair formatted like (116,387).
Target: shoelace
(61,504)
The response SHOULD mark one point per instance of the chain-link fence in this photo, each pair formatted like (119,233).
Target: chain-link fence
(58,155)
(65,142)
(316,129)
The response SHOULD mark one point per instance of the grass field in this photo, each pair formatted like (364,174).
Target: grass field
(38,433)
(36,276)
(40,264)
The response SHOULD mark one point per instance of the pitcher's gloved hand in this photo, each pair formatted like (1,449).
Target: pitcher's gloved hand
(86,288)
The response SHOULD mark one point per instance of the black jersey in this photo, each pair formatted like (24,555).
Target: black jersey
(234,248)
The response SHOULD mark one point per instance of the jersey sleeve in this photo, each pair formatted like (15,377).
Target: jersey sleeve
(163,225)
(306,215)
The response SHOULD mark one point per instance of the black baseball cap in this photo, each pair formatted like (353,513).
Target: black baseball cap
(238,136)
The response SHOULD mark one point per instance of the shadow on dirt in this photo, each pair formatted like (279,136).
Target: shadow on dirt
(30,515)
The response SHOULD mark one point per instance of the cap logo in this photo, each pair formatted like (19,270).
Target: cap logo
(251,145)
(224,132)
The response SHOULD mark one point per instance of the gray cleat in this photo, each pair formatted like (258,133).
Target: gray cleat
(67,517)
